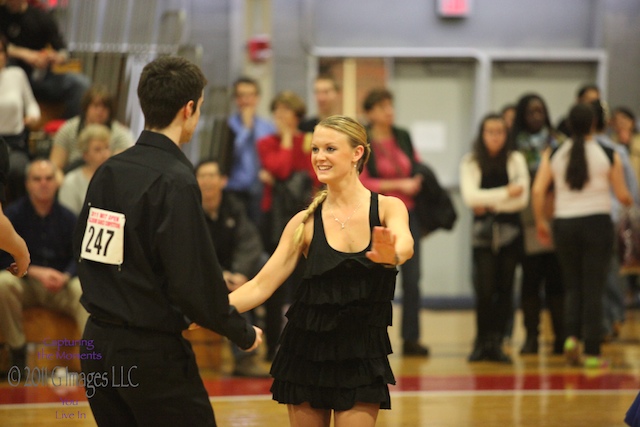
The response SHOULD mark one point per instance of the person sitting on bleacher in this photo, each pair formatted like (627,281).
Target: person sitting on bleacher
(238,247)
(36,45)
(98,107)
(18,108)
(94,144)
(51,282)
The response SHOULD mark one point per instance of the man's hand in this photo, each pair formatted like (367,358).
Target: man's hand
(234,280)
(258,340)
(247,114)
(52,279)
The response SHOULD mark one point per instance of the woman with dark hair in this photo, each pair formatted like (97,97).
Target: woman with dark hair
(391,171)
(98,107)
(532,134)
(583,173)
(494,182)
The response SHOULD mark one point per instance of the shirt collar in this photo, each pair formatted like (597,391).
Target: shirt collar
(162,142)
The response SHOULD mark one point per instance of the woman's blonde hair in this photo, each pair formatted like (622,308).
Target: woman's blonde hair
(91,132)
(357,135)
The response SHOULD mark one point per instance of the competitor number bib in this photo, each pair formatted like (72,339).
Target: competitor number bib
(103,239)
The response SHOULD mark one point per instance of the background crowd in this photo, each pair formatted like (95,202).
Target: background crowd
(519,177)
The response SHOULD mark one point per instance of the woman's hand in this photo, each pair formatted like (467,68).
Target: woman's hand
(515,190)
(383,247)
(543,233)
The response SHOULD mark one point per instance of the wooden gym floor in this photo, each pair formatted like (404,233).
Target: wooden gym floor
(442,390)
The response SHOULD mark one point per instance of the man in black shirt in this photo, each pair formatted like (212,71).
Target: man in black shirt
(149,266)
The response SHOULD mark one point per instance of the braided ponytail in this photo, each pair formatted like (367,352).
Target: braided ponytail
(298,234)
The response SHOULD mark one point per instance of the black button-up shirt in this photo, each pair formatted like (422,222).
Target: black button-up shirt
(169,275)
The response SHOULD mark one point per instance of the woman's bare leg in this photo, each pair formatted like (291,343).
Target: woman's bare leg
(361,415)
(304,415)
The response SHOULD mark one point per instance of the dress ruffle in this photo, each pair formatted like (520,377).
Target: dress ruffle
(339,399)
(348,282)
(340,344)
(326,317)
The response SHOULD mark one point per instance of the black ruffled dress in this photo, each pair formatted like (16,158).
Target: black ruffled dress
(333,350)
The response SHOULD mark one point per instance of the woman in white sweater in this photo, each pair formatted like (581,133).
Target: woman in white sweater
(494,182)
(18,108)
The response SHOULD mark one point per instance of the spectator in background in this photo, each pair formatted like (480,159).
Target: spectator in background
(624,131)
(614,295)
(532,133)
(289,181)
(18,111)
(494,182)
(98,107)
(586,95)
(390,171)
(93,142)
(238,247)
(36,45)
(47,228)
(508,114)
(327,93)
(249,128)
(583,173)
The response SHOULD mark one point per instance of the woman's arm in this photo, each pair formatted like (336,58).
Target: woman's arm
(519,178)
(13,244)
(275,159)
(541,185)
(392,243)
(616,177)
(273,274)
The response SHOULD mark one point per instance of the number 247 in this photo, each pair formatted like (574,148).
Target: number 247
(97,243)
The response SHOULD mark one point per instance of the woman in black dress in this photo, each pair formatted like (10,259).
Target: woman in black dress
(334,350)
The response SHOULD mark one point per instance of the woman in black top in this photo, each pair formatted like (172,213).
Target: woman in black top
(333,354)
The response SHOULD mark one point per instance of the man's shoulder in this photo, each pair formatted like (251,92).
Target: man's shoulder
(16,208)
(148,163)
(64,212)
(232,205)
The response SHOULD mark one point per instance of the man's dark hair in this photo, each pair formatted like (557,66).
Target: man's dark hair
(246,80)
(584,89)
(209,160)
(166,85)
(329,77)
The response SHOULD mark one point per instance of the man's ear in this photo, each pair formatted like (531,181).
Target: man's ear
(189,109)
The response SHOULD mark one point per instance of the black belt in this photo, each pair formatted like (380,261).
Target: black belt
(112,322)
(102,321)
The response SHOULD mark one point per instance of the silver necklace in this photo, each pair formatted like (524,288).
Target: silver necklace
(343,224)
